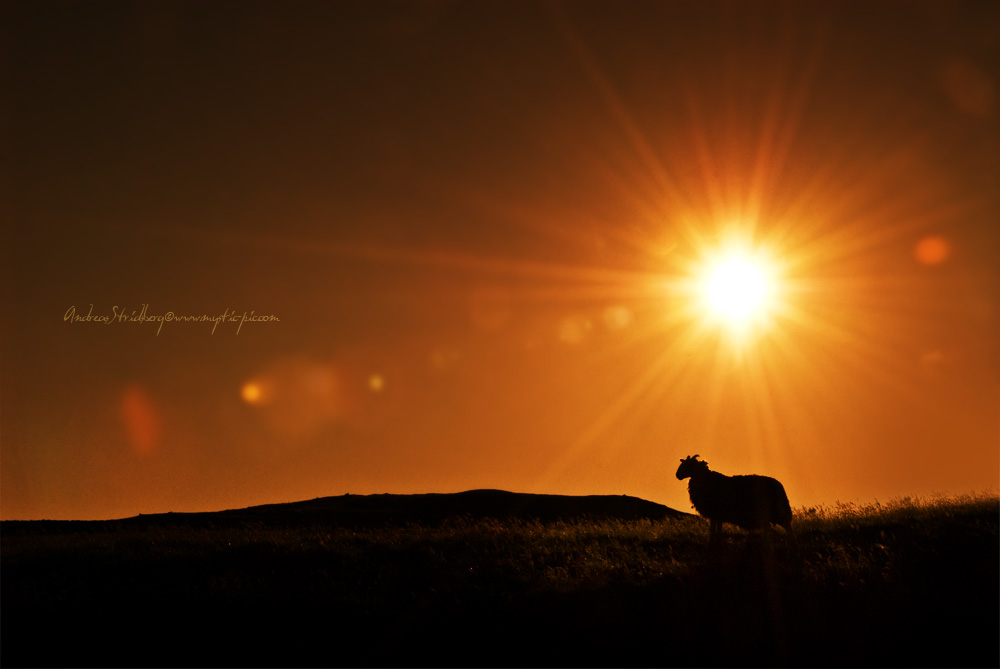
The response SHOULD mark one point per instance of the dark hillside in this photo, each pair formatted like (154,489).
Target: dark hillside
(380,510)
(433,508)
(488,578)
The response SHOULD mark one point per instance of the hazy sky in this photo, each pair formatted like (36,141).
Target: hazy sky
(476,224)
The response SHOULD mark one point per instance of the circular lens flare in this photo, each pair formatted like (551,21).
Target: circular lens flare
(252,392)
(932,250)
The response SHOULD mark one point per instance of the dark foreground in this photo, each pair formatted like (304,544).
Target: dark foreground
(492,578)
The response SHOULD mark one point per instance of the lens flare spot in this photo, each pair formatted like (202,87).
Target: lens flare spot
(617,317)
(970,87)
(252,393)
(932,250)
(574,330)
(298,398)
(376,383)
(490,307)
(444,359)
(141,419)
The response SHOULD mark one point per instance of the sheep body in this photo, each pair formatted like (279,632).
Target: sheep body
(752,502)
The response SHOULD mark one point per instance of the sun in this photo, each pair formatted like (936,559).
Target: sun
(736,288)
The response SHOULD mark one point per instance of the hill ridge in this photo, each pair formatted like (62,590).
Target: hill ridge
(477,503)
(395,508)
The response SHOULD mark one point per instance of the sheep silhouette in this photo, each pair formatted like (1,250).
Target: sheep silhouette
(752,502)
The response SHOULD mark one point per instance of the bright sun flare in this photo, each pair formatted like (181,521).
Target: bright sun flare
(736,288)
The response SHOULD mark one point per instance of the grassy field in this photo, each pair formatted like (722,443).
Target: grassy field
(910,583)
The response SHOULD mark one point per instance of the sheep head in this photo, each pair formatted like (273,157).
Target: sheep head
(690,466)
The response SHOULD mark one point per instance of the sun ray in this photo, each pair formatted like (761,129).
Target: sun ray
(414,256)
(829,214)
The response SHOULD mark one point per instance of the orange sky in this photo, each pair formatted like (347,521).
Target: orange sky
(477,225)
